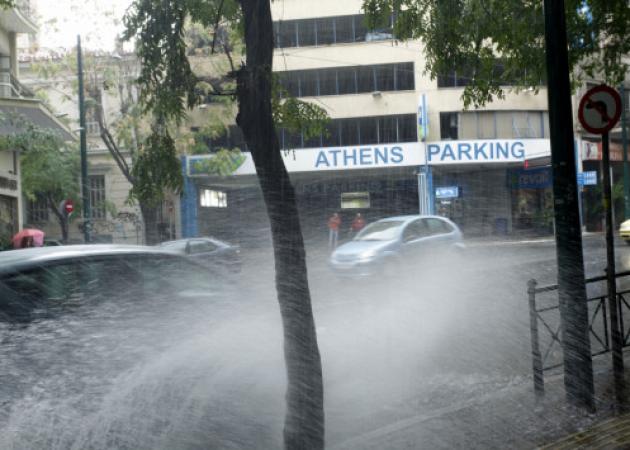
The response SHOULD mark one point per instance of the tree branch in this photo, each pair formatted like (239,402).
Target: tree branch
(216,26)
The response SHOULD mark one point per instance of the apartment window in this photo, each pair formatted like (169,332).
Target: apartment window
(210,198)
(344,29)
(448,125)
(307,30)
(98,208)
(327,31)
(359,131)
(38,210)
(365,79)
(405,77)
(309,83)
(368,130)
(348,80)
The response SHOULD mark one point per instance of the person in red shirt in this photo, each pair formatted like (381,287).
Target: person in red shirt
(334,223)
(357,224)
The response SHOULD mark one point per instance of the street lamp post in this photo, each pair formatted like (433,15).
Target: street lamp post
(85,186)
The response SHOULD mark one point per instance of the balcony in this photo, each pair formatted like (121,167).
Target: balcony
(10,87)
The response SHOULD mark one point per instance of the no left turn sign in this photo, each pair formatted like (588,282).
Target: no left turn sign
(600,109)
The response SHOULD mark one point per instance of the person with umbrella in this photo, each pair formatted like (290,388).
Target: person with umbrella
(28,237)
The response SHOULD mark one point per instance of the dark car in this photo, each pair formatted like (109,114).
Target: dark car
(210,252)
(40,282)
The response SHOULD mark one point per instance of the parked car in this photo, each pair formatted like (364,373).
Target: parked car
(387,245)
(624,231)
(40,282)
(210,252)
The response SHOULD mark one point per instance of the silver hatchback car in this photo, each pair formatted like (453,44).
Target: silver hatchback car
(386,246)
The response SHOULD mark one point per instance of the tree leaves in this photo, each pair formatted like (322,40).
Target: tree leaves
(469,35)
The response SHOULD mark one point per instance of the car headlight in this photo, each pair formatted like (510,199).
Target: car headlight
(625,226)
(367,257)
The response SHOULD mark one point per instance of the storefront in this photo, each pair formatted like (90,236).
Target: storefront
(470,183)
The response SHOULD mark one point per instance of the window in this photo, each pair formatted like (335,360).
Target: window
(37,210)
(309,83)
(437,226)
(385,76)
(325,31)
(368,130)
(355,200)
(328,82)
(213,199)
(405,77)
(365,79)
(407,129)
(98,208)
(344,29)
(287,36)
(357,131)
(448,125)
(387,130)
(348,80)
(201,246)
(415,230)
(306,33)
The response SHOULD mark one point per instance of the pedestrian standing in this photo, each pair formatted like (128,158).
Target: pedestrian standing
(357,224)
(334,223)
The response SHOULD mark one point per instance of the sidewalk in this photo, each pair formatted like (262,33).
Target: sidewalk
(509,417)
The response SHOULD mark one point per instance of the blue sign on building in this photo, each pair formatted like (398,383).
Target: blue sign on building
(587,178)
(447,192)
(531,178)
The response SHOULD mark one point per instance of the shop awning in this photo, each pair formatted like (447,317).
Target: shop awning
(33,111)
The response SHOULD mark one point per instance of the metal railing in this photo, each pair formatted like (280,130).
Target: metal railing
(11,87)
(545,321)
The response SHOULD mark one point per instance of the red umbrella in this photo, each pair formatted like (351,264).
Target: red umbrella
(29,237)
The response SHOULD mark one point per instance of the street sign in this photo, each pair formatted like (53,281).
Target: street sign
(68,206)
(600,109)
(447,192)
(587,178)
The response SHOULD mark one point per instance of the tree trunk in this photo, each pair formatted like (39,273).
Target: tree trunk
(61,218)
(304,421)
(150,220)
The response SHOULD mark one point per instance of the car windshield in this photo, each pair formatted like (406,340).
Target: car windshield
(405,220)
(380,231)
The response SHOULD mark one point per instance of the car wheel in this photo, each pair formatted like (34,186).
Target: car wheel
(628,242)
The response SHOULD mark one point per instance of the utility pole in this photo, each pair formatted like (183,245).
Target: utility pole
(578,364)
(624,141)
(85,185)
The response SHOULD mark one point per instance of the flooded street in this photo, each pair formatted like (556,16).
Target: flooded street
(209,372)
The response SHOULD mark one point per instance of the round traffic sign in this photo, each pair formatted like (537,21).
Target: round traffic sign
(68,206)
(600,109)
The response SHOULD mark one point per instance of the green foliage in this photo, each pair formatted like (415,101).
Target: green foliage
(168,83)
(156,168)
(223,163)
(7,4)
(464,34)
(50,170)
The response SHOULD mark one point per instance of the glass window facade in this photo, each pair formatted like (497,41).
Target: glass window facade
(348,80)
(357,131)
(327,31)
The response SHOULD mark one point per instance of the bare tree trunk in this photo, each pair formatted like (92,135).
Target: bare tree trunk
(304,421)
(61,218)
(150,219)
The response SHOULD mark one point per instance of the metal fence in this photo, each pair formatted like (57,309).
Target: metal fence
(545,325)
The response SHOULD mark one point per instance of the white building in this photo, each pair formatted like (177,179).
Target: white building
(16,100)
(398,141)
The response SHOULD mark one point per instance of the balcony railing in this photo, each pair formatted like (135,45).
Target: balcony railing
(25,7)
(10,87)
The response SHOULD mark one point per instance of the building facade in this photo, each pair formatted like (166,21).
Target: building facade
(16,100)
(398,142)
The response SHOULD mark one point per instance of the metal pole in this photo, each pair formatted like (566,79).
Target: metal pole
(617,339)
(537,364)
(578,364)
(624,141)
(85,186)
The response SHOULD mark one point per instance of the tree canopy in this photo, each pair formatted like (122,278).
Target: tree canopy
(499,43)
